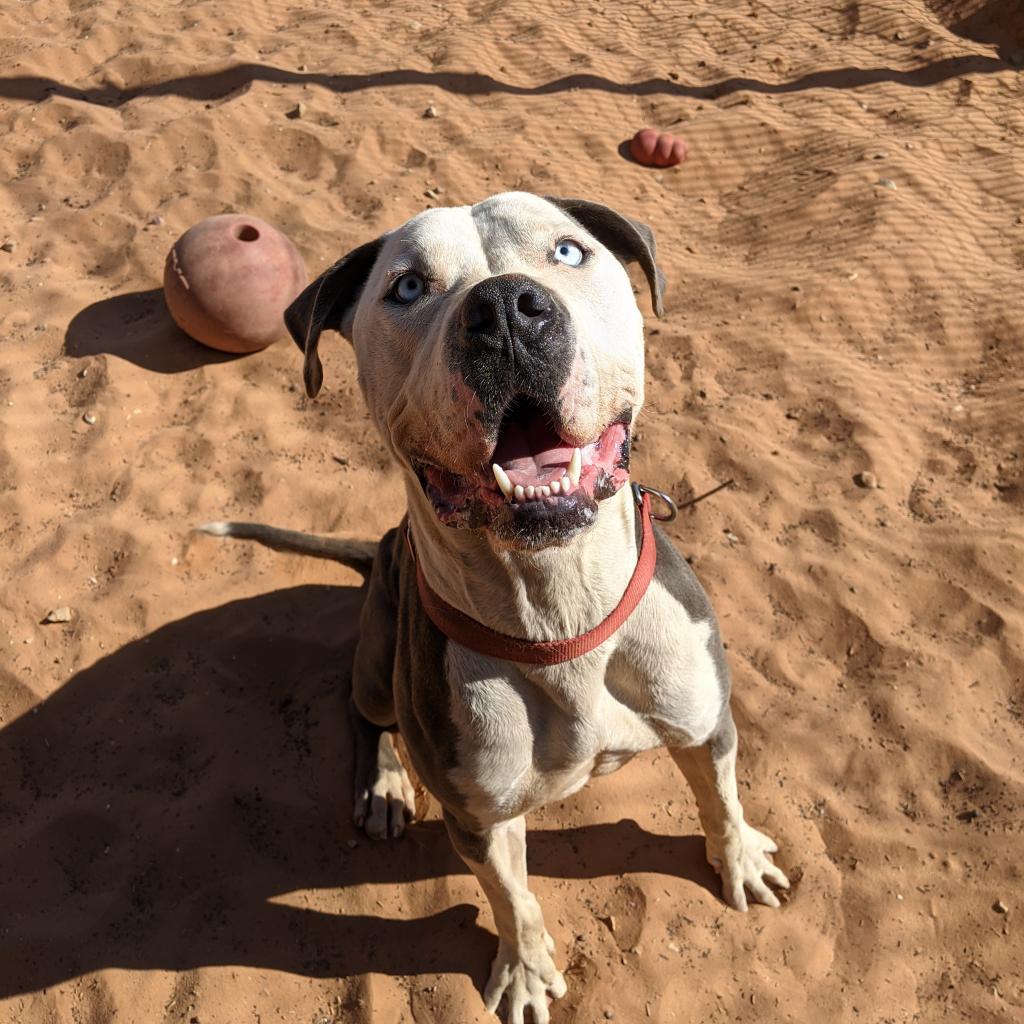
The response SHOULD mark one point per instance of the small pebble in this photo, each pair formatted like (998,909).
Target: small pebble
(865,478)
(62,614)
(156,221)
(351,844)
(89,418)
(9,246)
(431,111)
(609,1014)
(887,183)
(296,112)
(1000,907)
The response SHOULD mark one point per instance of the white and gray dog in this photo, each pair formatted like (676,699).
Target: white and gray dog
(501,353)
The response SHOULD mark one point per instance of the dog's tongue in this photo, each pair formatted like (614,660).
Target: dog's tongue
(531,452)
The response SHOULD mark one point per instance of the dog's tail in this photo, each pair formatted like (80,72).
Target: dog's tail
(356,554)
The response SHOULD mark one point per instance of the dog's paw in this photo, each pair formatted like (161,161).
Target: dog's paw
(525,980)
(744,861)
(386,806)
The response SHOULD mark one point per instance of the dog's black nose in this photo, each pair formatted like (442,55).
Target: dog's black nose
(514,338)
(509,312)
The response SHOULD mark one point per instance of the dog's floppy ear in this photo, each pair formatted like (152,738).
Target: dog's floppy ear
(324,305)
(629,240)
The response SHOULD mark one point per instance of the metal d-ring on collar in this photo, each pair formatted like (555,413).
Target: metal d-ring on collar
(639,490)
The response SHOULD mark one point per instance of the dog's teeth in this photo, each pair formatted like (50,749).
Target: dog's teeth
(566,484)
(503,481)
(556,487)
(530,492)
(575,467)
(545,490)
(519,492)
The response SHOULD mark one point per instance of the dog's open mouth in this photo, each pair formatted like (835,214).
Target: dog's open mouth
(534,478)
(531,462)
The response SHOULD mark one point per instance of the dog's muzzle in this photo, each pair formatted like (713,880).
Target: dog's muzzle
(513,346)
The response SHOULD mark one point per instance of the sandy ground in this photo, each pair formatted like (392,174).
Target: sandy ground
(845,252)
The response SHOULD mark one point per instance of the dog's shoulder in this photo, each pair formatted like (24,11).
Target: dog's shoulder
(422,691)
(373,668)
(673,652)
(673,572)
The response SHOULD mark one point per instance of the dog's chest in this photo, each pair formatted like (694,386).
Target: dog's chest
(520,747)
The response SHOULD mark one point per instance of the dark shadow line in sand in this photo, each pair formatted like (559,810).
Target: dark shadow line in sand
(158,808)
(218,85)
(137,327)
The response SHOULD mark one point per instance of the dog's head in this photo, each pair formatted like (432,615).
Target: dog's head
(500,351)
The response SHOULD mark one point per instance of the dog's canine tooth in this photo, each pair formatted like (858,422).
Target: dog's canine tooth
(575,467)
(519,492)
(503,481)
(556,487)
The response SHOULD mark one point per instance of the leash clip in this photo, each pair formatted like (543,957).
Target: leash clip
(639,490)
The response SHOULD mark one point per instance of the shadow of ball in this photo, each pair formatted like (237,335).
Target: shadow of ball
(228,280)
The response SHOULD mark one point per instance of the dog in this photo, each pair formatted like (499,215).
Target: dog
(500,351)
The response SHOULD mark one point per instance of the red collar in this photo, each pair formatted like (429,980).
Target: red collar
(477,637)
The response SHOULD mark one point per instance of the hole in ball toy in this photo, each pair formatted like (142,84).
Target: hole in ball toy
(247,233)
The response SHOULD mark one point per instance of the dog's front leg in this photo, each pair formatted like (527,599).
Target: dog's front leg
(523,970)
(384,801)
(739,853)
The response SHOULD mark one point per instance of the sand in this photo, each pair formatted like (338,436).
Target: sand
(845,255)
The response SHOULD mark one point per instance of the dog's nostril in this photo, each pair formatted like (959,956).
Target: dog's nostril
(480,316)
(531,305)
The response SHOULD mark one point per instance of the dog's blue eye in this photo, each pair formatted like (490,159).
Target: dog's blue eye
(569,253)
(408,288)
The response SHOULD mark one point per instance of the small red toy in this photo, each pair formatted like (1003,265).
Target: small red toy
(228,279)
(657,149)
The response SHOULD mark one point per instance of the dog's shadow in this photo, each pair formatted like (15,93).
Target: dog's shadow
(158,809)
